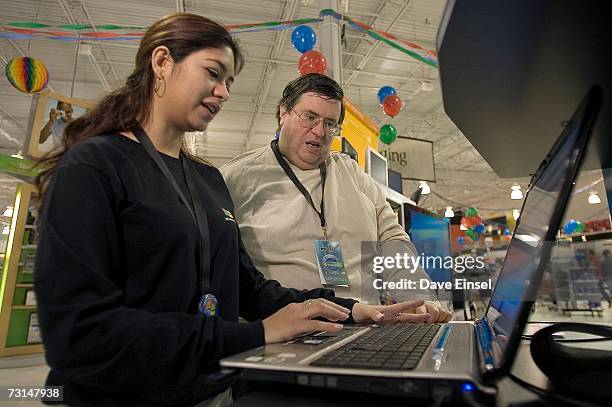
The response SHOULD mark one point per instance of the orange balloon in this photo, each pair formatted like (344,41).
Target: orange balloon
(392,105)
(312,62)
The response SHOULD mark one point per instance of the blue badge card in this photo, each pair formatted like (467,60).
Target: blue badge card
(331,263)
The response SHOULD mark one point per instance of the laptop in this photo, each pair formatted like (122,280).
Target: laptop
(444,361)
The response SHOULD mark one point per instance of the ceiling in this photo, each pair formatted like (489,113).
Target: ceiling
(247,121)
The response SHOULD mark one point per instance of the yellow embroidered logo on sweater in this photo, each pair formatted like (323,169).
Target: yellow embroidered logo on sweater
(228,215)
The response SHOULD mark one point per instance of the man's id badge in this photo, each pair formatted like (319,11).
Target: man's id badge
(331,263)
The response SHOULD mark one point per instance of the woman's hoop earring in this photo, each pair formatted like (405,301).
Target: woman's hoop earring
(158,85)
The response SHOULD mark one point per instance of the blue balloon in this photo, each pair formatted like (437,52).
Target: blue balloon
(506,231)
(303,38)
(479,228)
(384,92)
(570,227)
(461,240)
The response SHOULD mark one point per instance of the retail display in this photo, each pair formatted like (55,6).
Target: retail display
(19,332)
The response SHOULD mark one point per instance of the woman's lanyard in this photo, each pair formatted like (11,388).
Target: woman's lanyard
(208,303)
(300,186)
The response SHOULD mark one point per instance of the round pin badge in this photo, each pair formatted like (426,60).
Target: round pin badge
(208,305)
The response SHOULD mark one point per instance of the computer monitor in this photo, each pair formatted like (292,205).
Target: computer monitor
(376,166)
(349,149)
(430,234)
(395,181)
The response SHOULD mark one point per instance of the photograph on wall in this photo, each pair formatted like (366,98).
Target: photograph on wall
(49,115)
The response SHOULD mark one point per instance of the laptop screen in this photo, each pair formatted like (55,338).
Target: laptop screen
(528,245)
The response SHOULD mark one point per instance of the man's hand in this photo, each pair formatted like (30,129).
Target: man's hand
(437,313)
(53,114)
(396,313)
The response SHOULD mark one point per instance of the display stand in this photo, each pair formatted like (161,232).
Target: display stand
(19,332)
(576,287)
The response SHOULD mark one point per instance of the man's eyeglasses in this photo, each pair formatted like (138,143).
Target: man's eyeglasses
(310,121)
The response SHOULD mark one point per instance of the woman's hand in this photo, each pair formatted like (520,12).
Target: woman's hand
(297,318)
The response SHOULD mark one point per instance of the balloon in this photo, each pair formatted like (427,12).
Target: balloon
(392,105)
(471,234)
(471,221)
(570,227)
(471,212)
(388,134)
(479,228)
(312,62)
(27,74)
(461,240)
(303,38)
(384,92)
(579,227)
(507,232)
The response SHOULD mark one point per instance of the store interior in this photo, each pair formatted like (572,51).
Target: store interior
(455,193)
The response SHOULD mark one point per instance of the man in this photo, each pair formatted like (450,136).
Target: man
(58,118)
(278,190)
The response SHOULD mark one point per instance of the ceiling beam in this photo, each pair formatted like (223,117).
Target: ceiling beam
(92,59)
(374,47)
(270,68)
(100,46)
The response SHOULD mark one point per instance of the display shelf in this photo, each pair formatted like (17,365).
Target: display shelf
(24,307)
(19,332)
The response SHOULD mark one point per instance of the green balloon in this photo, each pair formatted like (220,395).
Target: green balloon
(471,212)
(580,227)
(388,134)
(471,234)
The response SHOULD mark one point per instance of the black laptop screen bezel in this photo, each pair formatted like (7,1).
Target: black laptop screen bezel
(585,114)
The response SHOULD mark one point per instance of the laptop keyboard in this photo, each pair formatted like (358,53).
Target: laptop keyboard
(390,347)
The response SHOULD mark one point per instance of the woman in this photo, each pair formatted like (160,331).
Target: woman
(141,274)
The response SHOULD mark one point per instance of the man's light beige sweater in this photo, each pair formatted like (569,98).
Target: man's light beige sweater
(279,227)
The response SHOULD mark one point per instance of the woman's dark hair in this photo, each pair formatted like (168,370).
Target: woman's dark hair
(183,34)
(312,82)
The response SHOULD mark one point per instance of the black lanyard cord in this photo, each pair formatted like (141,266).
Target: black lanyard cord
(300,186)
(198,213)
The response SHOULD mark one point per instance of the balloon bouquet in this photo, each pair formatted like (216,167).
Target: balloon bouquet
(473,222)
(304,39)
(391,105)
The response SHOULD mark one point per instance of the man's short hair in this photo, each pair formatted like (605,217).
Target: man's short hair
(313,82)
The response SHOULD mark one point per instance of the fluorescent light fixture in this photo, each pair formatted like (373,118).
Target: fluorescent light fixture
(449,212)
(516,213)
(8,212)
(425,189)
(594,198)
(462,227)
(516,192)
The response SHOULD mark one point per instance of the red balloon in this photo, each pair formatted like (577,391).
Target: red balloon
(312,62)
(392,105)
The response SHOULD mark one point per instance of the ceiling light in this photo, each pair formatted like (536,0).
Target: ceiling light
(425,189)
(461,227)
(8,212)
(449,212)
(516,192)
(594,198)
(5,230)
